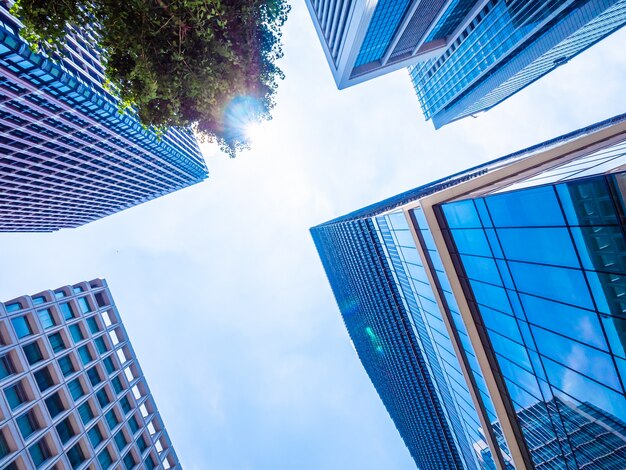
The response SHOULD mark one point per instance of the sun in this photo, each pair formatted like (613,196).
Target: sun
(255,131)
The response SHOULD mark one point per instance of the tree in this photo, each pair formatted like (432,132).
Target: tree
(209,64)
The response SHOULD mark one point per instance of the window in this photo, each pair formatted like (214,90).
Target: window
(78,289)
(149,463)
(39,452)
(40,299)
(65,430)
(134,425)
(6,366)
(101,344)
(56,341)
(43,379)
(129,461)
(100,300)
(95,436)
(67,311)
(27,423)
(94,376)
(66,365)
(84,305)
(75,455)
(45,316)
(59,294)
(117,385)
(112,420)
(76,389)
(85,412)
(54,405)
(77,334)
(125,404)
(103,398)
(4,446)
(92,323)
(85,355)
(14,307)
(22,327)
(142,444)
(33,353)
(109,365)
(120,441)
(104,458)
(16,395)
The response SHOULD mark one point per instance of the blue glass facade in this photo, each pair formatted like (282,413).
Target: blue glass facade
(504,312)
(507,46)
(381,331)
(68,156)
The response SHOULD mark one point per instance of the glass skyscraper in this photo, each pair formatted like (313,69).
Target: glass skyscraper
(488,307)
(465,56)
(72,394)
(67,156)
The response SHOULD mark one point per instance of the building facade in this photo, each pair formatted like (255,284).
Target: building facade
(73,395)
(509,281)
(464,56)
(67,155)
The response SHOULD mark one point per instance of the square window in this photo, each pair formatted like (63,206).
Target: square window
(104,458)
(75,455)
(129,461)
(101,345)
(22,327)
(4,446)
(94,376)
(117,385)
(76,389)
(54,405)
(112,420)
(95,436)
(45,316)
(33,353)
(39,453)
(77,334)
(67,311)
(56,341)
(6,366)
(27,423)
(125,404)
(65,430)
(15,395)
(84,305)
(85,412)
(109,365)
(103,398)
(92,323)
(141,443)
(120,441)
(43,379)
(134,425)
(85,355)
(66,365)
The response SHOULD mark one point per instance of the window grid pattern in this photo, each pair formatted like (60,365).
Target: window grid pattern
(380,329)
(545,270)
(506,47)
(419,299)
(55,421)
(68,156)
(387,16)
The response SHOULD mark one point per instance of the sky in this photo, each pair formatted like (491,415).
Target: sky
(219,285)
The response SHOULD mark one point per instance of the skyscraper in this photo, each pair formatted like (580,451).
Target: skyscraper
(465,56)
(507,283)
(72,392)
(67,156)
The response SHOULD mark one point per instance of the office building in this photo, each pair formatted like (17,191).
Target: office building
(492,303)
(72,394)
(464,56)
(67,155)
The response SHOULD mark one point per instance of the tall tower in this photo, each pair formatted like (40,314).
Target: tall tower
(508,282)
(464,56)
(72,392)
(67,156)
